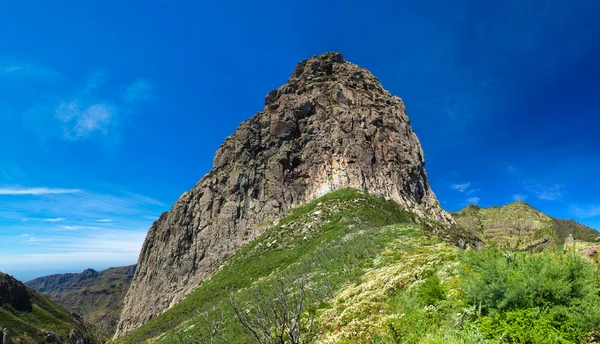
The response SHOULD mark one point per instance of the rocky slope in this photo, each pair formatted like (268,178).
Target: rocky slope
(518,225)
(28,317)
(96,295)
(331,126)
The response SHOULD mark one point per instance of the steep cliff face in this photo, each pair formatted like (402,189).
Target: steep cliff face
(331,126)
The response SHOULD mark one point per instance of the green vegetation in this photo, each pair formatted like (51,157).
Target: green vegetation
(330,234)
(536,298)
(25,312)
(519,226)
(491,296)
(351,268)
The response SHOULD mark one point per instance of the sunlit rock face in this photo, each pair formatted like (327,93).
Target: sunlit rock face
(331,126)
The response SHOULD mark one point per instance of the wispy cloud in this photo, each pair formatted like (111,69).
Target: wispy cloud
(473,191)
(586,212)
(460,187)
(32,239)
(74,110)
(16,190)
(97,249)
(14,68)
(473,200)
(98,229)
(84,206)
(74,228)
(87,112)
(547,191)
(55,219)
(519,197)
(82,120)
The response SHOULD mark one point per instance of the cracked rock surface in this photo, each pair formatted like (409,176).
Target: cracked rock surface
(331,126)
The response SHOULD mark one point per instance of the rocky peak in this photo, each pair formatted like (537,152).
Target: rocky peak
(331,126)
(14,293)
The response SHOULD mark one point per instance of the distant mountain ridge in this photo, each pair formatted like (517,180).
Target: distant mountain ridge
(29,317)
(96,295)
(517,225)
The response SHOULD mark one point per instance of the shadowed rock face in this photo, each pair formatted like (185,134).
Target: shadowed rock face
(14,294)
(331,126)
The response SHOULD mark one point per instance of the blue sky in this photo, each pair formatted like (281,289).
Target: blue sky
(111,109)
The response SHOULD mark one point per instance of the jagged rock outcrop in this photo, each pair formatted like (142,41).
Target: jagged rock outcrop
(51,337)
(331,126)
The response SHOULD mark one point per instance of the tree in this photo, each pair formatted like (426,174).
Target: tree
(278,313)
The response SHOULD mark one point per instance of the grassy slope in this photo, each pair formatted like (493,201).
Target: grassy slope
(43,315)
(387,281)
(517,225)
(98,296)
(326,228)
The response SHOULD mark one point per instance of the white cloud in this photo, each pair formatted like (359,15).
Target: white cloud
(112,246)
(473,200)
(86,112)
(81,121)
(74,228)
(547,192)
(587,212)
(35,191)
(472,191)
(460,187)
(32,239)
(519,197)
(55,219)
(78,207)
(93,107)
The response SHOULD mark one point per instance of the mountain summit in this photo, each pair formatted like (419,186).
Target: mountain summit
(331,126)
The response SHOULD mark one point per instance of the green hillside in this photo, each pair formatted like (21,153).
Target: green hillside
(518,225)
(351,268)
(96,295)
(27,314)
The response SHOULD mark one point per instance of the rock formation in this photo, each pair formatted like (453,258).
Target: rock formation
(331,126)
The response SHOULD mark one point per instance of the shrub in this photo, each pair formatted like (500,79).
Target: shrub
(532,298)
(432,291)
